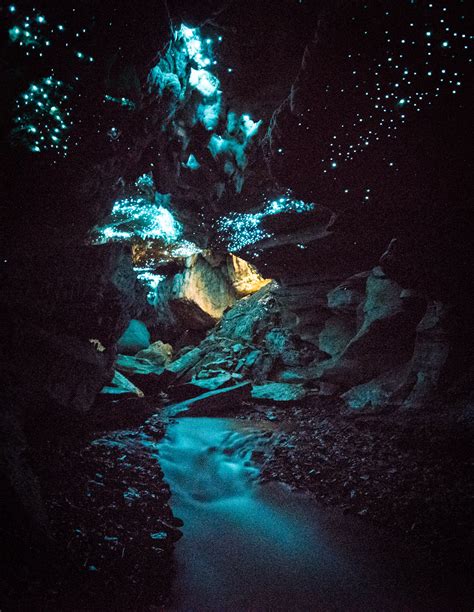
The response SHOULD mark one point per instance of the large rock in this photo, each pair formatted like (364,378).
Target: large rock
(348,296)
(288,348)
(244,277)
(385,338)
(158,353)
(135,338)
(418,381)
(83,300)
(197,296)
(429,364)
(142,373)
(278,393)
(214,402)
(198,386)
(121,388)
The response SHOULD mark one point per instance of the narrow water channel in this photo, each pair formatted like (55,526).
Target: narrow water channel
(248,546)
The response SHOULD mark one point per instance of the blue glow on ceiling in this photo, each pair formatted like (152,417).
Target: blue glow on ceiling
(241,230)
(137,216)
(43,116)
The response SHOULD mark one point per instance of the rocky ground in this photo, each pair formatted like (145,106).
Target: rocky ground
(409,473)
(108,505)
(111,524)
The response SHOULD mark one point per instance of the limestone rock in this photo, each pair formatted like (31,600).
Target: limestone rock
(197,386)
(429,363)
(280,393)
(214,402)
(197,296)
(158,353)
(384,340)
(141,372)
(244,277)
(183,364)
(376,393)
(121,388)
(347,296)
(288,347)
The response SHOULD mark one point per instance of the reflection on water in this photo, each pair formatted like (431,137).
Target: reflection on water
(252,547)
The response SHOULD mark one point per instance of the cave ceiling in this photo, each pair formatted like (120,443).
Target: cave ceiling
(283,130)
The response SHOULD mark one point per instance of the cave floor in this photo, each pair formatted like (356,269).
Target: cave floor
(406,472)
(111,519)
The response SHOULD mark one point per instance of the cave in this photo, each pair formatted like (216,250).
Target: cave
(237,347)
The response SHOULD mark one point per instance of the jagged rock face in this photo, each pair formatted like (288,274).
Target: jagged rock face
(385,337)
(65,314)
(371,341)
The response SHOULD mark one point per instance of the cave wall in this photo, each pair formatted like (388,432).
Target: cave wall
(373,279)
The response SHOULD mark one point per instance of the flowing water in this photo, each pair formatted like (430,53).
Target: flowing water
(248,546)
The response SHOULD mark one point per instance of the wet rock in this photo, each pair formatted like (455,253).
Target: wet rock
(197,386)
(251,358)
(181,366)
(215,382)
(295,376)
(129,364)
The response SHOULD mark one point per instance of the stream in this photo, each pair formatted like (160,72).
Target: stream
(248,546)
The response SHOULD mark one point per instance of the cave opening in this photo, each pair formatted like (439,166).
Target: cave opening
(236,272)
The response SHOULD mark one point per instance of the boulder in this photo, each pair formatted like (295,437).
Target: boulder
(178,368)
(378,392)
(135,338)
(198,295)
(215,402)
(121,388)
(347,296)
(198,386)
(288,348)
(142,373)
(429,363)
(297,376)
(158,353)
(384,340)
(244,277)
(279,393)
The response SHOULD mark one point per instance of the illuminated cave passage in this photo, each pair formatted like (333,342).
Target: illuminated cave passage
(237,340)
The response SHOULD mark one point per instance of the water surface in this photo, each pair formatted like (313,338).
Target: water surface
(251,547)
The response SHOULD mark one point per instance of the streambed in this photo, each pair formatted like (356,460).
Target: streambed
(248,546)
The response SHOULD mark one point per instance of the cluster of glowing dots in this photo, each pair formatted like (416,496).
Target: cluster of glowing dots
(124,102)
(43,116)
(200,53)
(208,111)
(145,181)
(137,216)
(420,64)
(244,229)
(150,279)
(35,35)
